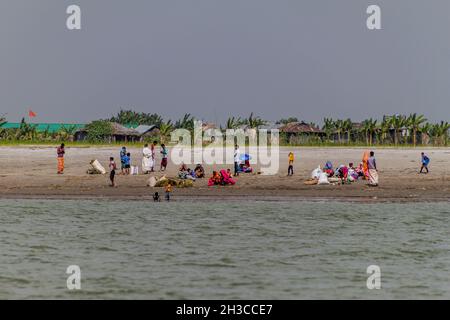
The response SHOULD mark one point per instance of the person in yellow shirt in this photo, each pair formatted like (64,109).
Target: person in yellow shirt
(168,191)
(291,164)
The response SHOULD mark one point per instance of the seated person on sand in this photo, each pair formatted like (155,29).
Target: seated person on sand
(245,167)
(226,177)
(352,171)
(191,174)
(360,170)
(342,174)
(199,171)
(328,169)
(186,173)
(183,167)
(215,179)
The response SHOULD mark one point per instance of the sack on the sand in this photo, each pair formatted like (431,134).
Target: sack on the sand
(134,170)
(152,182)
(323,178)
(315,174)
(333,180)
(185,184)
(311,182)
(179,183)
(97,167)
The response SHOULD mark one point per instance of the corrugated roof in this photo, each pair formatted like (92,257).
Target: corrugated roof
(40,127)
(144,128)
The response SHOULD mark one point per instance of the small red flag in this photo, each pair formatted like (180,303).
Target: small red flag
(31,114)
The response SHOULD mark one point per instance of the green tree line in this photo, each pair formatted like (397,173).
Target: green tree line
(395,130)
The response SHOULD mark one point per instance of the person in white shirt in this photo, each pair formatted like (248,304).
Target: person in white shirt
(147,160)
(237,156)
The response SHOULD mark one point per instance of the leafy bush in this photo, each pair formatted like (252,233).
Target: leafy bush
(98,131)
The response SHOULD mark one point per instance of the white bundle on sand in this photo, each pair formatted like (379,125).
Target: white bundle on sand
(134,170)
(323,178)
(97,168)
(315,174)
(152,182)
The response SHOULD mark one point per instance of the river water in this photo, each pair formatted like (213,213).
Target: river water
(223,250)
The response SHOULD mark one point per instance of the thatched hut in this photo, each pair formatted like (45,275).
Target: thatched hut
(298,132)
(119,133)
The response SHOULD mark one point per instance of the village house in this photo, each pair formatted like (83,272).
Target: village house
(301,132)
(119,133)
(147,132)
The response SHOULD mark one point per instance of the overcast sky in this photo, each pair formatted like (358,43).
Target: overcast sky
(219,58)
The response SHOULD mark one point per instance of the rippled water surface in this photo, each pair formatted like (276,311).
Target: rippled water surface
(223,250)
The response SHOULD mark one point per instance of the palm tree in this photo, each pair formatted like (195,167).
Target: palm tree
(234,123)
(384,128)
(328,127)
(255,122)
(288,120)
(439,133)
(2,131)
(338,126)
(397,122)
(187,122)
(347,126)
(369,128)
(45,135)
(26,131)
(164,131)
(365,128)
(372,129)
(67,132)
(414,122)
(133,118)
(425,130)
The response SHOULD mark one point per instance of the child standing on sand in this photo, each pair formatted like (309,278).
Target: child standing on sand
(127,163)
(112,169)
(123,154)
(291,164)
(168,191)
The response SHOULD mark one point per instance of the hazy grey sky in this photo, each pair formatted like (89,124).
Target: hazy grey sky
(219,58)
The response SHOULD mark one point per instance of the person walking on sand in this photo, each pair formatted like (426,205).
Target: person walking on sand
(168,191)
(112,171)
(164,154)
(237,156)
(291,164)
(373,171)
(425,163)
(60,151)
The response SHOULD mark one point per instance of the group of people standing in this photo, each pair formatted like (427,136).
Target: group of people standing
(149,157)
(148,160)
(370,168)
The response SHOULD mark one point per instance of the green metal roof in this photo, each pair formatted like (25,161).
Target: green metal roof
(40,127)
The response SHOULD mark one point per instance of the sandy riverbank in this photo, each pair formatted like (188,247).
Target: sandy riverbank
(30,172)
